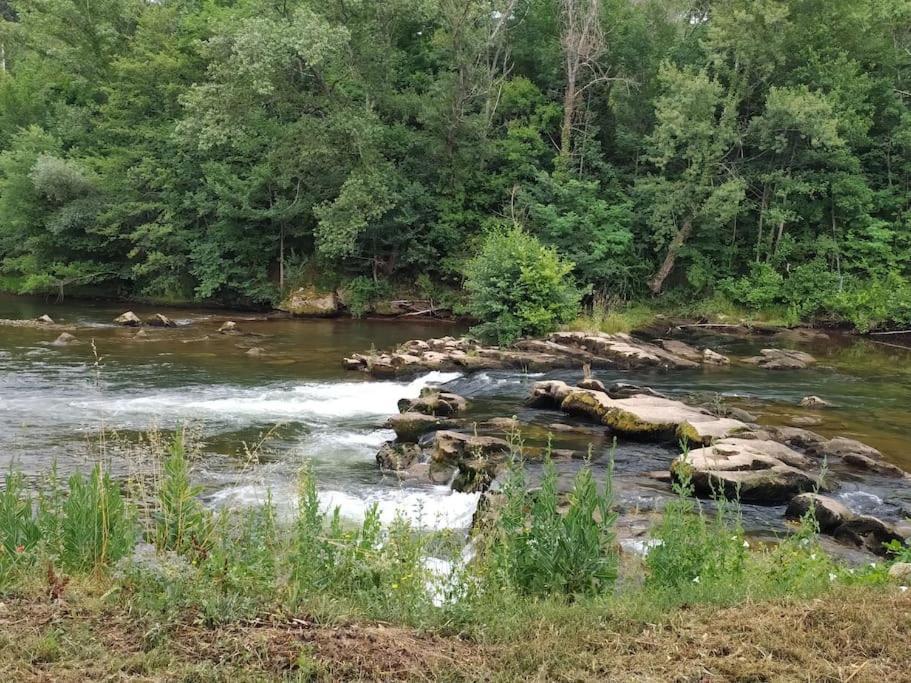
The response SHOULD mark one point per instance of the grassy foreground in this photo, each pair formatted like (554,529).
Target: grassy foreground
(138,581)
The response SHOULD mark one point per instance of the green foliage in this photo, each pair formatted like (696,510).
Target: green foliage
(182,524)
(540,549)
(199,150)
(517,287)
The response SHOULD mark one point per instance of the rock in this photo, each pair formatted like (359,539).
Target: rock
(805,421)
(592,385)
(621,350)
(710,357)
(801,335)
(864,462)
(548,394)
(417,472)
(128,319)
(781,359)
(229,327)
(814,402)
(901,571)
(65,339)
(841,446)
(626,390)
(397,456)
(159,320)
(753,470)
(45,319)
(454,447)
(434,402)
(141,335)
(650,417)
(255,351)
(411,426)
(309,302)
(799,438)
(866,531)
(682,349)
(828,512)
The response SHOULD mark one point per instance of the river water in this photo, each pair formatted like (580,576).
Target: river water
(259,419)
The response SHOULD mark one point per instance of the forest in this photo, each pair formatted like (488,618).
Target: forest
(756,152)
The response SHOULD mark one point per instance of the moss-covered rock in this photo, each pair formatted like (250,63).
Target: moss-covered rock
(310,302)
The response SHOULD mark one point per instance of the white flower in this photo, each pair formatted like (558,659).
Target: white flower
(872,565)
(832,576)
(902,588)
(746,544)
(696,580)
(813,556)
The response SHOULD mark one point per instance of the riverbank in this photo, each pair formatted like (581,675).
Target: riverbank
(854,634)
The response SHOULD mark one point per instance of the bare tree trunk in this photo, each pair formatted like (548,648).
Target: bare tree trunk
(281,259)
(657,282)
(583,45)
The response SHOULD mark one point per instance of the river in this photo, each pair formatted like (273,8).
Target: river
(259,419)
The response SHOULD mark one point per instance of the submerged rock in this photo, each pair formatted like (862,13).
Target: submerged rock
(255,351)
(814,402)
(45,319)
(781,359)
(754,471)
(229,327)
(65,339)
(309,302)
(128,319)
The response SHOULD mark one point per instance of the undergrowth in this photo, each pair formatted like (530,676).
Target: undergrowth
(546,550)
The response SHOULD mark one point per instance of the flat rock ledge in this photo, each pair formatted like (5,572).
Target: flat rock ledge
(755,471)
(781,359)
(558,350)
(638,416)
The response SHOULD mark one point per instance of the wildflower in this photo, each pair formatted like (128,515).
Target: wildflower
(872,565)
(746,544)
(832,576)
(902,588)
(812,556)
(696,580)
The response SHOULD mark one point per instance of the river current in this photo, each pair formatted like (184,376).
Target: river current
(257,419)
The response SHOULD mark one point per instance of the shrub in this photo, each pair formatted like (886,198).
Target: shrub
(182,523)
(517,287)
(539,550)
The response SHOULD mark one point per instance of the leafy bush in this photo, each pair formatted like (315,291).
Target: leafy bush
(361,292)
(517,287)
(874,302)
(181,521)
(538,549)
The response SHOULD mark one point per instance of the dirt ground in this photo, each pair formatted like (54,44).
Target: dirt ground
(859,636)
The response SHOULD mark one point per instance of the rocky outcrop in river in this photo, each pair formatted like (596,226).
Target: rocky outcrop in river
(558,350)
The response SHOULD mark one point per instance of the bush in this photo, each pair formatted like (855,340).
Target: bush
(539,550)
(518,287)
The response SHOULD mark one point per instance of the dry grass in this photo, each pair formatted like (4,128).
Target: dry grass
(854,635)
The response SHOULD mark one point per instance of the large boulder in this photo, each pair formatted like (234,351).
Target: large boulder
(454,447)
(828,512)
(128,319)
(411,426)
(781,359)
(397,456)
(434,402)
(755,471)
(309,302)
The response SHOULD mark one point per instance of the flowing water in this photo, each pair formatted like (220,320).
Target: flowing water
(260,418)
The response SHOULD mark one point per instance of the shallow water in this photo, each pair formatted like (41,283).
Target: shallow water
(295,404)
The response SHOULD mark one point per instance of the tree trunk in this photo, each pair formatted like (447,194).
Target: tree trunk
(569,111)
(657,282)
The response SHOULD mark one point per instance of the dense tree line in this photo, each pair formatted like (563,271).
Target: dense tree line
(228,149)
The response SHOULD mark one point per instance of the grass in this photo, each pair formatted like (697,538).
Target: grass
(99,584)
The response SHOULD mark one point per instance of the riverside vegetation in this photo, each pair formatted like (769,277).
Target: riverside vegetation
(752,156)
(142,581)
